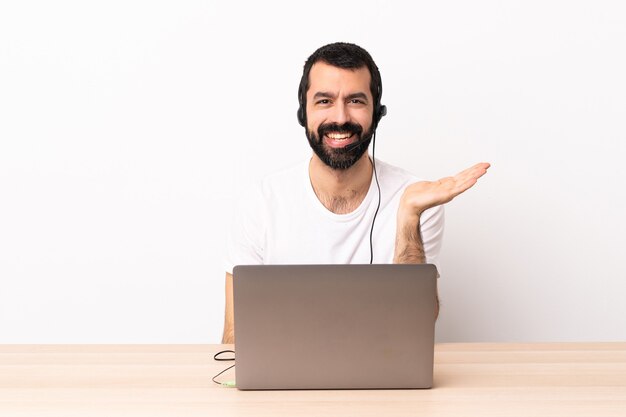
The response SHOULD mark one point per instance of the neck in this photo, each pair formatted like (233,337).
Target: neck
(341,191)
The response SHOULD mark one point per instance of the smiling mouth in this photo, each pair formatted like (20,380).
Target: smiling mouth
(338,140)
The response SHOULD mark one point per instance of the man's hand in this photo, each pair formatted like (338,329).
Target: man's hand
(423,195)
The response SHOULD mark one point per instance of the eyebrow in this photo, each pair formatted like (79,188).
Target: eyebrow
(324,94)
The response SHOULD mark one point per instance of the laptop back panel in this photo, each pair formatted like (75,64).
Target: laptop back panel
(334,326)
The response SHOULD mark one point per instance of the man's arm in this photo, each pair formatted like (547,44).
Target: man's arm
(410,247)
(419,197)
(229,317)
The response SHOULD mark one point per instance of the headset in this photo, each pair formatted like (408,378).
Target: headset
(380,110)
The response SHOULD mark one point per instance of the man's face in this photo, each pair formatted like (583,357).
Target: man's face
(339,108)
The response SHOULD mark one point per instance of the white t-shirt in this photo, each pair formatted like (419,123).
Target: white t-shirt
(281,221)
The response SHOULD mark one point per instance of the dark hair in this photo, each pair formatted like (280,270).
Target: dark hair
(348,56)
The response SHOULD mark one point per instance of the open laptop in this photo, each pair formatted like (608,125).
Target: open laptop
(334,326)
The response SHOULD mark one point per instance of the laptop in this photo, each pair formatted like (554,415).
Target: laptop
(334,326)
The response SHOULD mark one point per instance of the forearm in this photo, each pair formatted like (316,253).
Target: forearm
(409,246)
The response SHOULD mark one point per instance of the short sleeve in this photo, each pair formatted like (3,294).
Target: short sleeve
(245,241)
(431,227)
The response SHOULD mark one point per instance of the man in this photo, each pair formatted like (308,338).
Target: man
(328,210)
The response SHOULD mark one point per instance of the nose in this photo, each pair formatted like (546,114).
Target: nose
(340,113)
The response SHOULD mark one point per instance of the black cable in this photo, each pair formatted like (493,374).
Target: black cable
(378,206)
(217,358)
(222,383)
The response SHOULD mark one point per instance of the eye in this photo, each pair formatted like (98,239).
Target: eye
(323,101)
(357,101)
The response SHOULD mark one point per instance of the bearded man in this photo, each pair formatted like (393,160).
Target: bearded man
(341,206)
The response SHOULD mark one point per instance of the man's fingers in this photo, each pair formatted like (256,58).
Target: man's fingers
(426,194)
(475,171)
(479,167)
(464,186)
(467,178)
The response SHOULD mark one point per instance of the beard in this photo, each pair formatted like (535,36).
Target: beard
(340,158)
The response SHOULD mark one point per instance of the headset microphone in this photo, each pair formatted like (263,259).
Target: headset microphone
(352,145)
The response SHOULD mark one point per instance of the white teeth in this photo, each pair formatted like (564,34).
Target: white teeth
(339,136)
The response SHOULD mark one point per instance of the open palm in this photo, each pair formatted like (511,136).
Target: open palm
(423,195)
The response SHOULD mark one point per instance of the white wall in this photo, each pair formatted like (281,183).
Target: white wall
(127,129)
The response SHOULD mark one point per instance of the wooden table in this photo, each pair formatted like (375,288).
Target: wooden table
(530,380)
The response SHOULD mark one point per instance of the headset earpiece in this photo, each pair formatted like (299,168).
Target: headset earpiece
(383,112)
(301,109)
(380,111)
(301,116)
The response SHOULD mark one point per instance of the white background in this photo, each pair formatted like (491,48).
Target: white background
(127,129)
